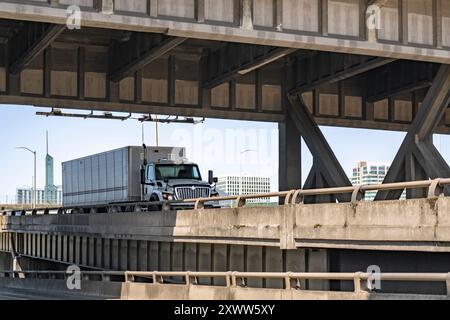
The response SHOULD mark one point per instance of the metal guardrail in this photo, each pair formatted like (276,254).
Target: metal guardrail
(360,280)
(238,279)
(435,189)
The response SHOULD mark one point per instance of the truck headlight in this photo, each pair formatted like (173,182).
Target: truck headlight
(168,196)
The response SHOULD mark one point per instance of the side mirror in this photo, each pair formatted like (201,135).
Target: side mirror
(215,180)
(210,177)
(166,180)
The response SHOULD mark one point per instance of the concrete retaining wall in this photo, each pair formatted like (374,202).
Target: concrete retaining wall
(57,289)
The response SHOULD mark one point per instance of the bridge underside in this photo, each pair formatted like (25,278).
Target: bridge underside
(46,64)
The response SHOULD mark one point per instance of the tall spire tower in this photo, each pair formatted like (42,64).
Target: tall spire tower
(50,188)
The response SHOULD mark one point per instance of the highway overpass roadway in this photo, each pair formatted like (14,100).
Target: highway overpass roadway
(344,237)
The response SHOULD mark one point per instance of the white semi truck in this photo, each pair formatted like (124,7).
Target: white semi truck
(134,174)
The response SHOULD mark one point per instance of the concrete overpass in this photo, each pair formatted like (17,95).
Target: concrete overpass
(300,63)
(336,238)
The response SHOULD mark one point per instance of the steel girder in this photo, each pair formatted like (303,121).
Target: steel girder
(235,60)
(418,158)
(326,170)
(140,50)
(31,40)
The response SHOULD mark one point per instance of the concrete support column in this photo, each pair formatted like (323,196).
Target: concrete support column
(123,254)
(132,255)
(236,258)
(190,256)
(142,256)
(114,254)
(273,263)
(71,255)
(54,240)
(296,262)
(164,256)
(39,245)
(84,251)
(107,254)
(99,252)
(204,260)
(78,243)
(91,252)
(153,256)
(49,243)
(33,245)
(60,248)
(255,262)
(317,261)
(290,176)
(220,261)
(177,259)
(65,252)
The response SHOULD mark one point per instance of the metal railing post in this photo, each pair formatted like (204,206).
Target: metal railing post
(357,282)
(233,279)
(447,282)
(287,281)
(228,280)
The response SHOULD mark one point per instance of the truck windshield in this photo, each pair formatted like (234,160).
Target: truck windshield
(177,171)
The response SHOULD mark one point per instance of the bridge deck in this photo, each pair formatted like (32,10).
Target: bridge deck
(409,29)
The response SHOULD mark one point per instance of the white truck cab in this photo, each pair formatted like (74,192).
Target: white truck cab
(175,179)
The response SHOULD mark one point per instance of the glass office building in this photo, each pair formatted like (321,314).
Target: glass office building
(370,173)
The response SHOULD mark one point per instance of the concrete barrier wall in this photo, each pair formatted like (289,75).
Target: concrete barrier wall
(412,225)
(139,291)
(57,289)
(415,224)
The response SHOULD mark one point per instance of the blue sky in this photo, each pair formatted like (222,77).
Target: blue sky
(216,144)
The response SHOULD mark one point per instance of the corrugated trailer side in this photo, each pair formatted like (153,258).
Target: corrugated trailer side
(97,179)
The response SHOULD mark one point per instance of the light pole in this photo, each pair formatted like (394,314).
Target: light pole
(33,191)
(240,167)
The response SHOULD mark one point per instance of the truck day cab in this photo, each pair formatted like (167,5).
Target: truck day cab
(134,174)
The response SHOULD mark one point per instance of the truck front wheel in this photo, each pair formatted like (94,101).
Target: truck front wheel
(155,207)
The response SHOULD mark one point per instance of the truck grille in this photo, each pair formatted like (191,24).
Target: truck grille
(183,193)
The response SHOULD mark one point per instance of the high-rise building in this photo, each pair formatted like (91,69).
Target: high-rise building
(231,185)
(50,189)
(50,195)
(370,173)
